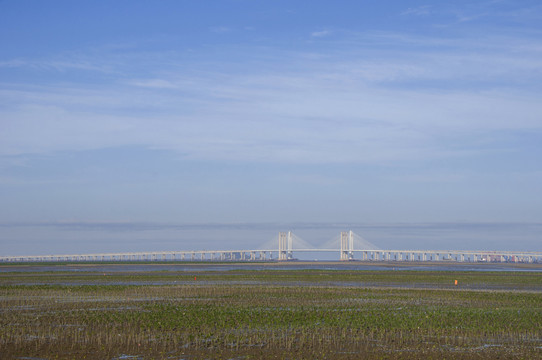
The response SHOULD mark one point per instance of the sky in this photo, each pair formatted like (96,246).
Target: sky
(142,125)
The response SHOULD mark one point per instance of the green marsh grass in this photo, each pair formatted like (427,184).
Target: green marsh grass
(272,314)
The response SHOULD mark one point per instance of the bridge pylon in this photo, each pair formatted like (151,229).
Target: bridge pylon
(347,245)
(285,246)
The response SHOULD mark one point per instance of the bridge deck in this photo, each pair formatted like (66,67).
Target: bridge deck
(267,254)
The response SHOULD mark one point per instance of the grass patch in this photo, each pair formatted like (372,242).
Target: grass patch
(272,314)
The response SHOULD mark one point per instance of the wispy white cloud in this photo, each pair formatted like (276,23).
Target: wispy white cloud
(154,83)
(57,65)
(339,106)
(451,14)
(423,10)
(321,33)
(220,29)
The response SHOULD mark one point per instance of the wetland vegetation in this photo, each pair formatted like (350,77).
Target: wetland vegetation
(285,314)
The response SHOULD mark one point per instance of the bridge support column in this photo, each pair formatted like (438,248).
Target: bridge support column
(285,246)
(347,245)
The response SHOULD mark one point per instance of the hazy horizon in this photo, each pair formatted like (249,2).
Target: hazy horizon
(88,238)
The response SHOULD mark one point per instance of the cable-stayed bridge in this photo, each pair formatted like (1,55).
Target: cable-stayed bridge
(349,246)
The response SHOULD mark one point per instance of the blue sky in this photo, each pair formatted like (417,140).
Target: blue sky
(268,112)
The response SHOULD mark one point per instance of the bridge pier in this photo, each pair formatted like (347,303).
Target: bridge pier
(347,245)
(285,246)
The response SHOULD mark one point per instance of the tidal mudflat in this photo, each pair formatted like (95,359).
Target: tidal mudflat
(270,313)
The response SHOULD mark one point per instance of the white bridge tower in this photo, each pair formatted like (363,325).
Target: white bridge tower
(347,245)
(285,246)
